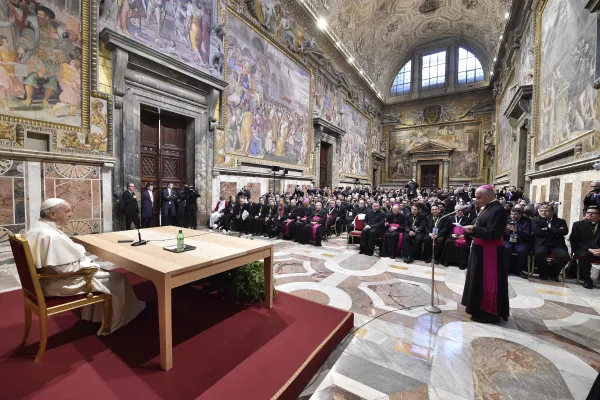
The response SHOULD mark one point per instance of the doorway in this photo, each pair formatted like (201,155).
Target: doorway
(162,153)
(429,176)
(325,167)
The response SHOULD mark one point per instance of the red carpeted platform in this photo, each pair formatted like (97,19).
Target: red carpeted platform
(221,350)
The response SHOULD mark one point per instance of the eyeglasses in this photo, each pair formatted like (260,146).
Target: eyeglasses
(592,212)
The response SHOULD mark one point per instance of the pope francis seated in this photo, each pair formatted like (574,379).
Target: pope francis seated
(54,252)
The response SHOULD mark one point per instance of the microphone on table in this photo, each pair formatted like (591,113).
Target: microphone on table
(447,215)
(140,241)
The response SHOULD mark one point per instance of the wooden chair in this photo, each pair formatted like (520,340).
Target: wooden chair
(359,225)
(44,307)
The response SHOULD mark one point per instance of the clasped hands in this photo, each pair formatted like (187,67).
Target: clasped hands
(468,228)
(595,252)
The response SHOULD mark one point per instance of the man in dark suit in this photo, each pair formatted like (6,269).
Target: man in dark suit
(131,207)
(411,189)
(148,206)
(436,230)
(168,210)
(593,196)
(517,237)
(549,237)
(414,233)
(585,243)
(191,208)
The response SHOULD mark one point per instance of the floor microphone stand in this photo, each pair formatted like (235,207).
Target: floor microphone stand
(433,308)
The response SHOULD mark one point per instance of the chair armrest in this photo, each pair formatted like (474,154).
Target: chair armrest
(87,272)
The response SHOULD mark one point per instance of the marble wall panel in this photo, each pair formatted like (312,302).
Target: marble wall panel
(255,191)
(534,194)
(543,193)
(6,201)
(12,196)
(228,189)
(79,184)
(554,190)
(568,191)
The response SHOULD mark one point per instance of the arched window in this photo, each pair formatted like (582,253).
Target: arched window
(469,67)
(434,71)
(401,84)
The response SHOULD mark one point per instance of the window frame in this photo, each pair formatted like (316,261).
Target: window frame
(410,80)
(446,67)
(469,51)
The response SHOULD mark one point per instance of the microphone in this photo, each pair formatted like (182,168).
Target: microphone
(140,242)
(447,215)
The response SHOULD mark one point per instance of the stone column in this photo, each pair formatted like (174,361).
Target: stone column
(414,170)
(445,173)
(318,136)
(120,59)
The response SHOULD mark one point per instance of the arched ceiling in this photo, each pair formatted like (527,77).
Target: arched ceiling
(381,34)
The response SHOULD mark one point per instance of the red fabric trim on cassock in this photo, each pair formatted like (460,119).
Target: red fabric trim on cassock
(489,300)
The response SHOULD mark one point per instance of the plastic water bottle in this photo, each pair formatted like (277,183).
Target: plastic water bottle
(180,245)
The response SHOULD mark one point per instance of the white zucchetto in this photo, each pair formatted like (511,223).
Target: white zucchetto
(49,203)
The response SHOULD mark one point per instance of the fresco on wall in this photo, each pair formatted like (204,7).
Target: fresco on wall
(228,189)
(567,68)
(355,143)
(40,60)
(525,63)
(12,195)
(328,101)
(464,138)
(267,99)
(504,132)
(178,28)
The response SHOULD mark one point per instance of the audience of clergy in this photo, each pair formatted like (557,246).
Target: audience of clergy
(54,252)
(413,228)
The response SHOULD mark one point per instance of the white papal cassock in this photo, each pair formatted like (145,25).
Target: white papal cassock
(52,248)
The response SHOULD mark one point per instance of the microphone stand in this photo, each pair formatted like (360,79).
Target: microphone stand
(433,308)
(140,242)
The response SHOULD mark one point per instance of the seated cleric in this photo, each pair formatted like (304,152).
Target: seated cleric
(54,252)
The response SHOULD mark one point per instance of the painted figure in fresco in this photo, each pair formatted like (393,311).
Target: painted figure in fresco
(44,47)
(69,79)
(153,13)
(110,10)
(10,85)
(168,24)
(9,27)
(199,29)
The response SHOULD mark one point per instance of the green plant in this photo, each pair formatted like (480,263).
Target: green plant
(248,282)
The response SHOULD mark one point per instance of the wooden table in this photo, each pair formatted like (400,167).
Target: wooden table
(214,253)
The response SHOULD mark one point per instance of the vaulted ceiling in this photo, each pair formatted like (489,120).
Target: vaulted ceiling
(381,34)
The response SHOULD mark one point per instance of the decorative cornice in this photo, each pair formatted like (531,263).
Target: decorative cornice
(112,39)
(36,155)
(516,107)
(329,128)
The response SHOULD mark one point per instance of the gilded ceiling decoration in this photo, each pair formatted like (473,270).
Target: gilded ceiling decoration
(381,34)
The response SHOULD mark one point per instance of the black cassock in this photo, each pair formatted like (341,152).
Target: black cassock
(391,238)
(456,254)
(289,222)
(305,214)
(486,286)
(314,232)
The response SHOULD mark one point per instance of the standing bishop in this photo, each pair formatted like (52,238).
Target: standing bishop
(54,252)
(486,288)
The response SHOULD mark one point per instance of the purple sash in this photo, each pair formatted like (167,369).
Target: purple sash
(489,298)
(315,228)
(461,242)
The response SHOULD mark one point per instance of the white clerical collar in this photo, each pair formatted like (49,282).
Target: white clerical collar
(51,223)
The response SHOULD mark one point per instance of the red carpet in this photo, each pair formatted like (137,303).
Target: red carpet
(221,350)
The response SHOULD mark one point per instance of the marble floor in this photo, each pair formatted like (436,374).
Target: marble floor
(548,349)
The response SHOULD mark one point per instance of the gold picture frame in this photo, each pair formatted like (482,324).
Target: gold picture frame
(235,159)
(369,175)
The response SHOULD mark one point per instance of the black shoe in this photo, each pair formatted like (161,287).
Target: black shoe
(588,284)
(554,279)
(487,319)
(445,264)
(409,260)
(361,252)
(543,278)
(462,267)
(524,275)
(427,261)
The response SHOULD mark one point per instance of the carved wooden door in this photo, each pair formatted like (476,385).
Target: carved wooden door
(167,165)
(429,176)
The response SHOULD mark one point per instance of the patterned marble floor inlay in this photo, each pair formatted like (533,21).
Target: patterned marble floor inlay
(548,349)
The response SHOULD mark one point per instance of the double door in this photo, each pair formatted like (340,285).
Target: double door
(162,156)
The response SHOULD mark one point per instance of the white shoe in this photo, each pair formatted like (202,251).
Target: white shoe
(215,226)
(224,232)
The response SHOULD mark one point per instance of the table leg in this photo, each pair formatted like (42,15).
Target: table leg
(163,289)
(269,280)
